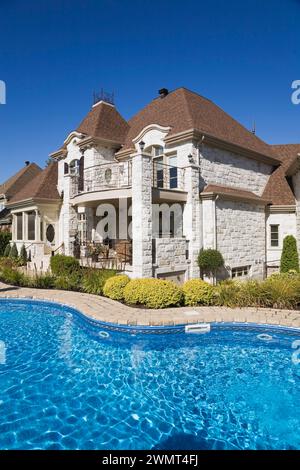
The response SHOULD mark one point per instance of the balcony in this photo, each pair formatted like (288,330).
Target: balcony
(103,177)
(118,176)
(167,176)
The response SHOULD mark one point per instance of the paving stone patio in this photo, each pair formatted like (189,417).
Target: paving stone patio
(108,310)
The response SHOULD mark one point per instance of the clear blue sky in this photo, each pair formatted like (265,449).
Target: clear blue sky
(54,53)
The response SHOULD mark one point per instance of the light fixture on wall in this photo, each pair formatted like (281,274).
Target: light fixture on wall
(142,145)
(191,158)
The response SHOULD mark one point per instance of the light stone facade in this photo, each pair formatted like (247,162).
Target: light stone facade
(228,169)
(237,228)
(241,236)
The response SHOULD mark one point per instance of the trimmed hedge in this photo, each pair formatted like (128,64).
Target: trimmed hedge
(197,292)
(114,287)
(61,264)
(153,293)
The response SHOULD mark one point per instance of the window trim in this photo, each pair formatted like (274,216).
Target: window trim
(278,236)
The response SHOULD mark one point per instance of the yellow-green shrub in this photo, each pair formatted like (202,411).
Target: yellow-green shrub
(197,292)
(114,287)
(153,293)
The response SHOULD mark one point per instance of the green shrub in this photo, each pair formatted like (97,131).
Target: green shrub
(13,276)
(61,264)
(289,256)
(8,263)
(5,238)
(14,252)
(197,292)
(7,250)
(93,280)
(226,293)
(23,256)
(281,291)
(68,282)
(210,261)
(153,293)
(41,281)
(114,287)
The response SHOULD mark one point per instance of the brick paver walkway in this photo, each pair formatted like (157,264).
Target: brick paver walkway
(108,310)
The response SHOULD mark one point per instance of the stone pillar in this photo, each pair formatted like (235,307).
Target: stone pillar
(142,215)
(192,217)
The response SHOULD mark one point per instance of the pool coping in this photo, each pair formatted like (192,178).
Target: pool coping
(103,327)
(109,312)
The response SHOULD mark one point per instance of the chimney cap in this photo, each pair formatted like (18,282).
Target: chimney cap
(163,92)
(27,163)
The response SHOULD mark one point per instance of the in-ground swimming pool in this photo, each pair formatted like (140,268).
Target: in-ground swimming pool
(66,383)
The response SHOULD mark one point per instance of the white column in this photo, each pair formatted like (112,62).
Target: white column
(142,215)
(192,217)
(37,226)
(209,221)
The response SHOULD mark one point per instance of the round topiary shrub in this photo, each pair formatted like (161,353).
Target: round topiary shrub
(289,256)
(210,261)
(153,293)
(114,287)
(197,292)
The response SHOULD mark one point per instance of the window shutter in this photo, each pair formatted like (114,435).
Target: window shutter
(66,170)
(81,174)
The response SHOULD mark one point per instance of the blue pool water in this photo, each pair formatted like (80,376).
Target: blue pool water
(64,386)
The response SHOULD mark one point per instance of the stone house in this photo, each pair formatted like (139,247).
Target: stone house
(146,195)
(11,187)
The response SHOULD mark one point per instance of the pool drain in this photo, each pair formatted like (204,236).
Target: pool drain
(265,337)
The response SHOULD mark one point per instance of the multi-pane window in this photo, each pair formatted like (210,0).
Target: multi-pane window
(274,235)
(19,218)
(240,271)
(31,225)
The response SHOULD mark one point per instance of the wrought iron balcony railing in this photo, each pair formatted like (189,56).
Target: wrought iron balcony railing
(167,176)
(116,175)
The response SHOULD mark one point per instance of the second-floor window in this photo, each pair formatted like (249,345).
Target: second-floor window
(274,235)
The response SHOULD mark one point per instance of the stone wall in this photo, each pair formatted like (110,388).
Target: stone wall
(296,184)
(241,235)
(287,226)
(229,169)
(170,252)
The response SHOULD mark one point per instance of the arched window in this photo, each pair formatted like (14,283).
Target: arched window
(155,150)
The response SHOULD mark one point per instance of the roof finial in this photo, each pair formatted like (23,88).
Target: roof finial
(254,128)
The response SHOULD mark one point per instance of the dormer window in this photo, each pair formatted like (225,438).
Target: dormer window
(74,168)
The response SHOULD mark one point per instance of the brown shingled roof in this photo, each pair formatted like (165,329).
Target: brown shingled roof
(183,110)
(104,121)
(277,189)
(234,193)
(14,184)
(43,186)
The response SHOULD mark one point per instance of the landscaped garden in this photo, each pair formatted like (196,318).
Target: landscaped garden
(280,290)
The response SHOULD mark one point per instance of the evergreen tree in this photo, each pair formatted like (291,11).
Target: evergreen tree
(14,252)
(7,250)
(23,255)
(289,256)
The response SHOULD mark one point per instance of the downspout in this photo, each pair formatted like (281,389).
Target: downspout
(215,223)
